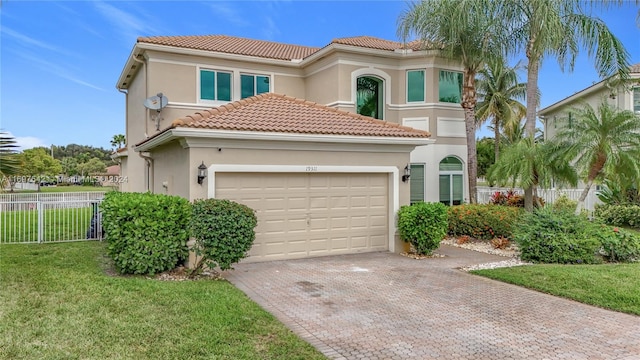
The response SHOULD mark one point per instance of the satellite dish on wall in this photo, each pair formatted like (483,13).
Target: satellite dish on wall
(157,102)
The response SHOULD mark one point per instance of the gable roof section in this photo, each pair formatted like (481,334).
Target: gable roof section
(271,112)
(234,45)
(370,42)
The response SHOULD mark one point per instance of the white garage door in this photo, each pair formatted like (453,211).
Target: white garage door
(304,215)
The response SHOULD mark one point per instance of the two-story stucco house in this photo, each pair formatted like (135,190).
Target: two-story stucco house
(625,97)
(324,143)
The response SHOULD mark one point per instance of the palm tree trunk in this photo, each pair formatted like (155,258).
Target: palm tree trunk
(496,142)
(532,106)
(528,199)
(583,197)
(469,106)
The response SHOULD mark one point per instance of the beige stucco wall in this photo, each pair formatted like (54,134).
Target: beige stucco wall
(171,171)
(556,119)
(136,127)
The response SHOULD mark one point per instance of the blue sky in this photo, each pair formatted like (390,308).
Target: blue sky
(59,61)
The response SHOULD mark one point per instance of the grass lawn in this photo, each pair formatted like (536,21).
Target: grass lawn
(60,224)
(59,303)
(611,286)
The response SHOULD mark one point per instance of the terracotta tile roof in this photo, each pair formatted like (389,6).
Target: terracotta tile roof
(268,49)
(234,45)
(376,43)
(284,114)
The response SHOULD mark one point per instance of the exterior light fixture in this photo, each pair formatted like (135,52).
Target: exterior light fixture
(407,173)
(202,172)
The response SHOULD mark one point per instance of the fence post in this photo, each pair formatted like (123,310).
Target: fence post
(40,221)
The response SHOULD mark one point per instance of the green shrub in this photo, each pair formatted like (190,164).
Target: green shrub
(146,233)
(563,203)
(423,225)
(619,215)
(556,237)
(483,221)
(511,198)
(618,245)
(223,231)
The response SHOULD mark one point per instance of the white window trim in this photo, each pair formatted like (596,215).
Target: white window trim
(392,171)
(424,85)
(386,82)
(199,98)
(424,180)
(238,96)
(453,71)
(449,173)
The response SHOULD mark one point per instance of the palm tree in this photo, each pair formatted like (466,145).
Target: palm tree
(118,141)
(466,31)
(559,28)
(601,141)
(9,162)
(499,91)
(529,164)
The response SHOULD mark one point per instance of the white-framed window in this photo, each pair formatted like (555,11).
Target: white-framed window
(416,86)
(451,181)
(450,86)
(416,183)
(636,99)
(215,85)
(370,96)
(251,85)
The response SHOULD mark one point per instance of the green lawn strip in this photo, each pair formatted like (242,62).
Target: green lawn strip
(610,286)
(58,303)
(60,224)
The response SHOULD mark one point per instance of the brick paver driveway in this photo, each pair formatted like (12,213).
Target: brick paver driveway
(385,306)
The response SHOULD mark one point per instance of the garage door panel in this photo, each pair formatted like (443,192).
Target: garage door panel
(302,215)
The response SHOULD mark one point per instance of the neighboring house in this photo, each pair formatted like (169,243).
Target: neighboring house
(324,176)
(625,97)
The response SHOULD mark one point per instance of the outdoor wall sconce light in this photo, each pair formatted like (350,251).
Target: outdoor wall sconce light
(407,173)
(202,172)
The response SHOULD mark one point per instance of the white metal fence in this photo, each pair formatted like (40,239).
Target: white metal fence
(52,217)
(549,195)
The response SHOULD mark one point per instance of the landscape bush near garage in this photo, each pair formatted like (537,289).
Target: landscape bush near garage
(148,233)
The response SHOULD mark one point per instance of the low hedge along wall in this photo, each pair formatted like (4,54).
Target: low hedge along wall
(483,222)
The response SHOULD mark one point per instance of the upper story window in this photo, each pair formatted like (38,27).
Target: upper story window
(450,87)
(636,99)
(251,85)
(370,96)
(415,86)
(215,85)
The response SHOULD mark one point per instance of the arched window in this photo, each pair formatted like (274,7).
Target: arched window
(370,96)
(451,185)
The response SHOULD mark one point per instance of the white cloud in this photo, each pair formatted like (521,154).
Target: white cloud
(56,70)
(226,12)
(28,41)
(28,142)
(271,30)
(127,24)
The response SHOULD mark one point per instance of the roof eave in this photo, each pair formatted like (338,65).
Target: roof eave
(176,133)
(591,89)
(333,47)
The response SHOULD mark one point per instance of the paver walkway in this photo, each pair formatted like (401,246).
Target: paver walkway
(386,306)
